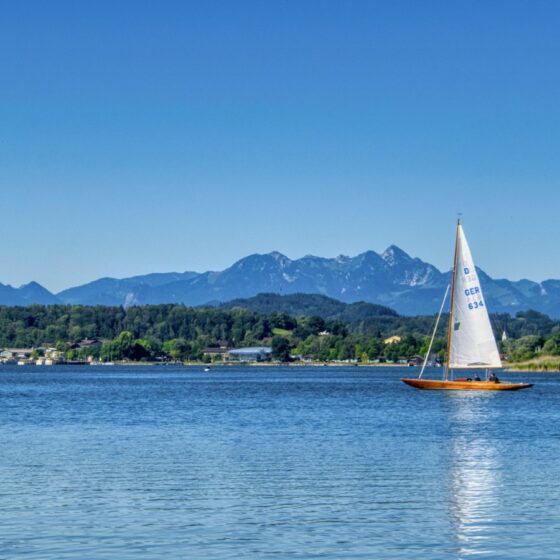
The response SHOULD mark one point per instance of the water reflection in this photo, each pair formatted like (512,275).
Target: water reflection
(474,472)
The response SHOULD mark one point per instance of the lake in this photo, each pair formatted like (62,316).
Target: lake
(274,462)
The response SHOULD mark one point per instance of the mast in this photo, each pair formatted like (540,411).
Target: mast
(450,326)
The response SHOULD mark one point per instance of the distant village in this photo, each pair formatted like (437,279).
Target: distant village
(48,355)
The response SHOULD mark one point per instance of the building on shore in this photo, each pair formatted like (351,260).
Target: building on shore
(84,343)
(13,355)
(415,360)
(252,354)
(393,339)
(214,351)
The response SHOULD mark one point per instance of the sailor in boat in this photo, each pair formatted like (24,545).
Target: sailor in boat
(493,378)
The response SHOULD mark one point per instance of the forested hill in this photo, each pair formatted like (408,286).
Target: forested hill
(308,305)
(37,325)
(359,317)
(368,318)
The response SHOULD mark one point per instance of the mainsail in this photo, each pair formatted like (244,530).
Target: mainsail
(472,343)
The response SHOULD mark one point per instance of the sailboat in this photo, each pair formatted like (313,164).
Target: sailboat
(471,344)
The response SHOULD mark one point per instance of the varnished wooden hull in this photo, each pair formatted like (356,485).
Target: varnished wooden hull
(433,384)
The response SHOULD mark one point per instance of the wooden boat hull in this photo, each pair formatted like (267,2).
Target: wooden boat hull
(433,384)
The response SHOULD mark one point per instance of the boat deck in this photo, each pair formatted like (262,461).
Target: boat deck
(464,385)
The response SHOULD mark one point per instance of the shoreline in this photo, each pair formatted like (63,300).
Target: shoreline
(538,366)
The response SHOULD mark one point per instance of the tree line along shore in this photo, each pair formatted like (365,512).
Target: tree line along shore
(167,332)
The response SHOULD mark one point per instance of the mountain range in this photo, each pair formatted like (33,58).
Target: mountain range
(392,279)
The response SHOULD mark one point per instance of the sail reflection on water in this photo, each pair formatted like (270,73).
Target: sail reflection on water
(474,474)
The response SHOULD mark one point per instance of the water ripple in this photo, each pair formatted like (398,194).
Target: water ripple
(262,463)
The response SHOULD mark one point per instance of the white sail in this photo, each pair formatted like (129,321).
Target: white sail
(472,341)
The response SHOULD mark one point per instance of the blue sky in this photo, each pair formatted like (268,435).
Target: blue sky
(155,136)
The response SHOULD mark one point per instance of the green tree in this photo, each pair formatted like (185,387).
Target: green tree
(552,345)
(178,348)
(524,348)
(281,349)
(123,344)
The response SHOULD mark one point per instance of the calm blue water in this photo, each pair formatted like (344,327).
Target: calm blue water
(252,463)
